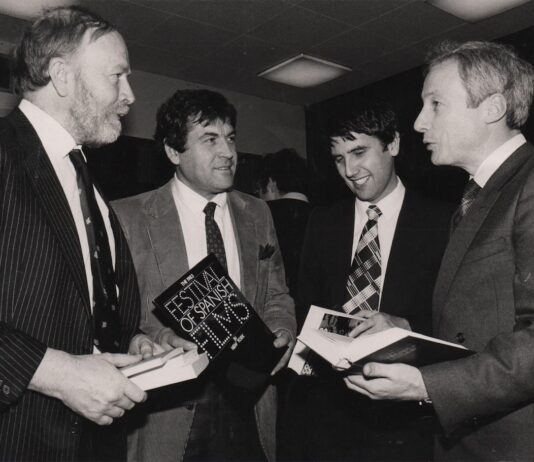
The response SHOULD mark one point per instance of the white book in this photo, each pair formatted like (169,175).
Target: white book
(166,368)
(319,318)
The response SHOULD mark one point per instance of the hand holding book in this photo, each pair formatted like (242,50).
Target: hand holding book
(283,339)
(398,382)
(143,345)
(369,322)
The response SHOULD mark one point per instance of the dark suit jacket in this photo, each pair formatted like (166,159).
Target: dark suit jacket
(416,250)
(484,297)
(152,226)
(44,299)
(343,424)
(290,217)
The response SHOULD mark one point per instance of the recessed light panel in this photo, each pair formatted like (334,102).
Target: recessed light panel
(304,71)
(475,10)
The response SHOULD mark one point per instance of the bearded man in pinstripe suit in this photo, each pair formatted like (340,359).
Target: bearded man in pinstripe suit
(71,69)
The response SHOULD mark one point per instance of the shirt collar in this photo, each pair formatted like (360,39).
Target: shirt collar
(387,205)
(56,140)
(194,201)
(490,165)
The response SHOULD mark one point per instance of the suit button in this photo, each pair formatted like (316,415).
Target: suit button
(6,390)
(460,338)
(74,426)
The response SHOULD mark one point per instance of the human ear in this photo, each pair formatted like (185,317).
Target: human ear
(394,147)
(172,154)
(494,108)
(59,70)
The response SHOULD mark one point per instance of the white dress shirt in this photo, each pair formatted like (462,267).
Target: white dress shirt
(190,206)
(57,143)
(492,163)
(390,207)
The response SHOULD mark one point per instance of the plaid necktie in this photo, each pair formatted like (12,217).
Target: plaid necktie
(214,239)
(105,303)
(363,284)
(470,193)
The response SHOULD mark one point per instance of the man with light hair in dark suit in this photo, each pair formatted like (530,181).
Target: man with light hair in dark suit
(476,97)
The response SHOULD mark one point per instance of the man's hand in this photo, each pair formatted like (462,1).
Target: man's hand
(91,385)
(169,340)
(375,321)
(398,382)
(283,338)
(143,345)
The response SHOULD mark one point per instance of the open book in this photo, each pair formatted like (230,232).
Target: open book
(318,318)
(166,368)
(325,332)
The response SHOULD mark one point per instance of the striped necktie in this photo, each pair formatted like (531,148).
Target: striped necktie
(363,284)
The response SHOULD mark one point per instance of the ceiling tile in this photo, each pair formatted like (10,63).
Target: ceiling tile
(207,73)
(169,6)
(412,23)
(157,61)
(364,46)
(512,20)
(133,22)
(344,84)
(11,29)
(188,37)
(250,53)
(351,11)
(298,29)
(234,15)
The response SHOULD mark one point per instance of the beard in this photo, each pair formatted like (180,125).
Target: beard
(94,124)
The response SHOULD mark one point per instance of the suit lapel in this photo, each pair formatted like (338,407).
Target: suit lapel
(466,231)
(341,249)
(49,193)
(247,245)
(399,257)
(166,237)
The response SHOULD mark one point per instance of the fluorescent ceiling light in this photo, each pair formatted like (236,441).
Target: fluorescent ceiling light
(30,9)
(475,10)
(304,71)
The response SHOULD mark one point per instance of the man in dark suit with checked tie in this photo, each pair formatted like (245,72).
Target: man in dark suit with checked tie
(476,97)
(376,255)
(68,283)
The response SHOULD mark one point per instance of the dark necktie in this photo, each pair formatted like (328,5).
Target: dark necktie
(105,304)
(470,193)
(214,239)
(363,284)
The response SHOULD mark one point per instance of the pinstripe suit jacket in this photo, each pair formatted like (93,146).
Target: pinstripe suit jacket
(44,299)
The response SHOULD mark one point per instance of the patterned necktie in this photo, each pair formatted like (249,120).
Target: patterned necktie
(470,193)
(363,284)
(214,239)
(105,304)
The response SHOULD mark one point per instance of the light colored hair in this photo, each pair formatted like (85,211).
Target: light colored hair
(487,68)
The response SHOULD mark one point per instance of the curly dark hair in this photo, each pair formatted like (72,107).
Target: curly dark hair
(373,119)
(187,107)
(57,33)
